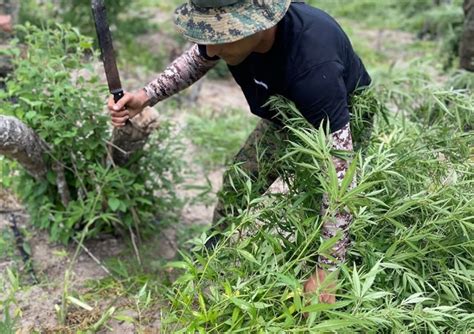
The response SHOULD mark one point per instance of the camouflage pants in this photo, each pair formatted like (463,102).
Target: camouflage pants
(259,159)
(266,137)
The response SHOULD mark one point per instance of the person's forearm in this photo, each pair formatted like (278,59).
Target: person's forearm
(341,220)
(180,74)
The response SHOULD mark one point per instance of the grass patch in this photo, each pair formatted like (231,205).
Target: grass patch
(7,245)
(462,79)
(389,14)
(218,135)
(9,311)
(442,24)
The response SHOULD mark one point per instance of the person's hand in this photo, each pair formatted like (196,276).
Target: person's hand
(319,281)
(127,107)
(6,23)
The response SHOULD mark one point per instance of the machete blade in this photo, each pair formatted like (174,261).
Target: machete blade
(107,48)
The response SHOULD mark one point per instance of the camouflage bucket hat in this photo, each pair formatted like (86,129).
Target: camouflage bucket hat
(225,21)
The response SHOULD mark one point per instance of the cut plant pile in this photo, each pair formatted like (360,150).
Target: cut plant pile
(410,264)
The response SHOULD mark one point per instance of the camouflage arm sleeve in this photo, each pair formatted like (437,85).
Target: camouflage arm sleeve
(180,74)
(341,220)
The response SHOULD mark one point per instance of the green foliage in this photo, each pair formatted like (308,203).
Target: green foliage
(7,324)
(35,12)
(414,94)
(462,79)
(408,269)
(7,244)
(9,314)
(444,23)
(127,21)
(438,21)
(385,14)
(76,12)
(429,21)
(57,93)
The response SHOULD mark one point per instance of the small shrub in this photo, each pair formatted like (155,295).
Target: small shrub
(66,110)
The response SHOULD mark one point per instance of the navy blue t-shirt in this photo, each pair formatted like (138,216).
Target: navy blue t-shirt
(312,63)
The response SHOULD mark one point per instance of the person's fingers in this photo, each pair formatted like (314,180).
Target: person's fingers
(111,103)
(6,23)
(118,125)
(323,297)
(331,299)
(122,102)
(122,113)
(7,28)
(328,298)
(120,119)
(310,285)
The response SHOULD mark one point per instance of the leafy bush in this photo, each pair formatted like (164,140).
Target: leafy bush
(126,21)
(75,12)
(409,267)
(65,108)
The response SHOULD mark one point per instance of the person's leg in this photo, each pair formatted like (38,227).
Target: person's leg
(333,223)
(341,220)
(352,137)
(257,158)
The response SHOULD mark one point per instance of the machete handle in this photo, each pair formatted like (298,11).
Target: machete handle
(118,94)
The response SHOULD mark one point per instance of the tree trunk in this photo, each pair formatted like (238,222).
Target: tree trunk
(466,50)
(19,142)
(132,137)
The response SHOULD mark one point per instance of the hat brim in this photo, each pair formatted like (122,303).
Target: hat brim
(227,24)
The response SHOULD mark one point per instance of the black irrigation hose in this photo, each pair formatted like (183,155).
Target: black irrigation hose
(19,244)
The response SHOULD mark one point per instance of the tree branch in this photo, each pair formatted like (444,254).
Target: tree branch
(19,142)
